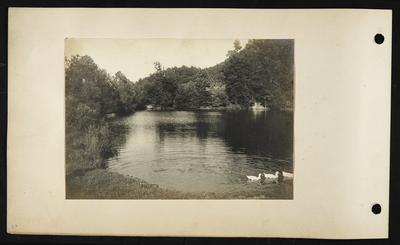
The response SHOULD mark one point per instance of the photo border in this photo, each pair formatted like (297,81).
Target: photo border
(394,155)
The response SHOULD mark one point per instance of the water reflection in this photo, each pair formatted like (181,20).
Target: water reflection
(205,151)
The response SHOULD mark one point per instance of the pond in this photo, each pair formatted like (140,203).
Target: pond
(206,151)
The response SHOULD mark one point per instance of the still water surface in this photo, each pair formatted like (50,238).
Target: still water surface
(205,151)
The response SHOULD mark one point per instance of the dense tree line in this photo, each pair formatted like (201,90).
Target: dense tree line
(183,88)
(262,72)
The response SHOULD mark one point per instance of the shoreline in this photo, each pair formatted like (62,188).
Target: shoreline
(218,109)
(104,184)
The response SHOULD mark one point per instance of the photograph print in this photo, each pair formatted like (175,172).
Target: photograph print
(179,118)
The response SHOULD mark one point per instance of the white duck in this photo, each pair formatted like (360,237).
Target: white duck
(287,175)
(279,176)
(253,178)
(272,176)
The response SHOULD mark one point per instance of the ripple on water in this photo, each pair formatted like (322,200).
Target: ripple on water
(200,152)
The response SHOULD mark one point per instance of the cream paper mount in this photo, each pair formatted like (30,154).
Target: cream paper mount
(341,125)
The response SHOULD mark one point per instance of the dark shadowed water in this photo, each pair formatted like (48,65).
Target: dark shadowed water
(205,151)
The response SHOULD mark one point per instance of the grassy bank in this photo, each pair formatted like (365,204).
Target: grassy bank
(103,184)
(87,148)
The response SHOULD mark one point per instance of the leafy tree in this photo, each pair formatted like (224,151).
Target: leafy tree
(91,94)
(237,73)
(262,71)
(236,48)
(125,93)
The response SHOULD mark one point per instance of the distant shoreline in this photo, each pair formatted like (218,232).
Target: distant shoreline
(219,109)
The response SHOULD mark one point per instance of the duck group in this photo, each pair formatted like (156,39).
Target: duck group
(278,176)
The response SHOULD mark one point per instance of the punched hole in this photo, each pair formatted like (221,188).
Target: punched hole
(376,209)
(379,38)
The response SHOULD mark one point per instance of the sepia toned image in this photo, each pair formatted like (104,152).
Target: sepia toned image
(179,118)
(164,122)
